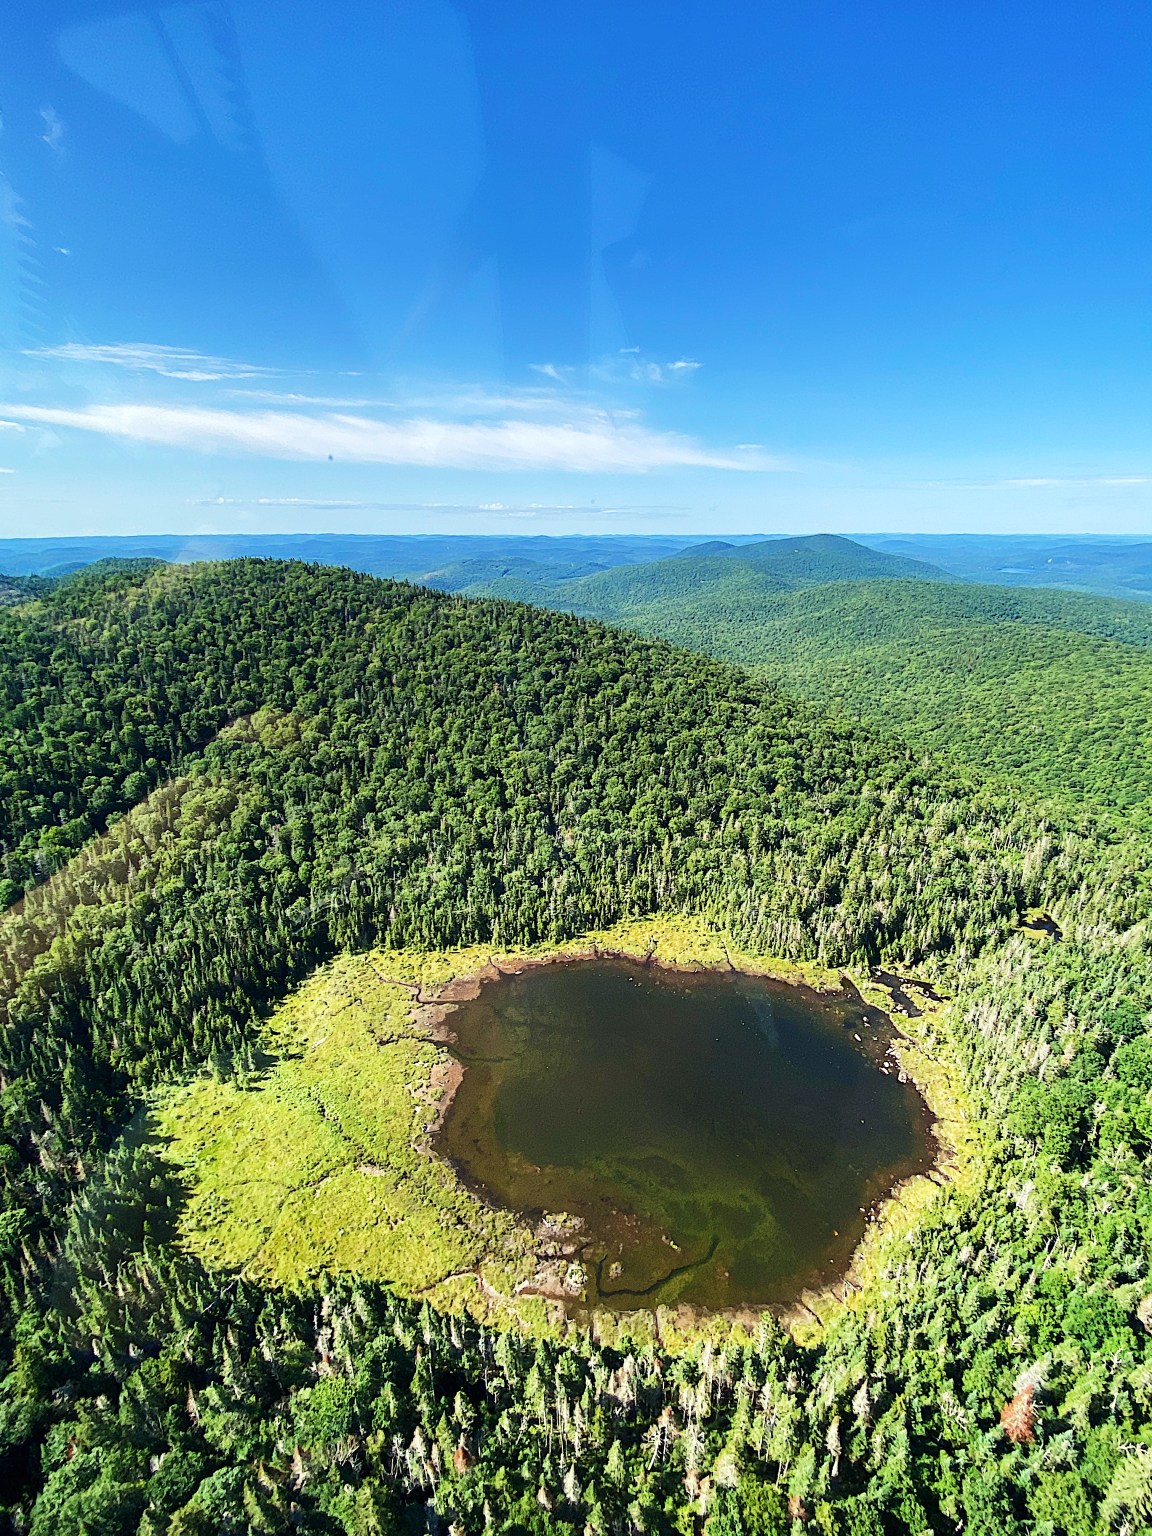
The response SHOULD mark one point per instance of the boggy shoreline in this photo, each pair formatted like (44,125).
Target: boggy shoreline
(557,1248)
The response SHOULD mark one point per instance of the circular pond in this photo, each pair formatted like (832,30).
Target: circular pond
(711,1137)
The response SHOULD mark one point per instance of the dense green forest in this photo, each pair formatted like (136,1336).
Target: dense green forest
(1050,690)
(318,762)
(18,589)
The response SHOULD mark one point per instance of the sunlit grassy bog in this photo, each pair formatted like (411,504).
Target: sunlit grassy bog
(323,1161)
(318,1165)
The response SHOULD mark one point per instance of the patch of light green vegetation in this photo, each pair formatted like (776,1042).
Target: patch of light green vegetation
(322,1164)
(691,943)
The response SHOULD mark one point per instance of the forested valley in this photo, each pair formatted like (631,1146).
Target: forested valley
(215,778)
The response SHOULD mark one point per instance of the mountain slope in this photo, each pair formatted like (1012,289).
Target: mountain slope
(814,558)
(1051,690)
(770,565)
(1047,698)
(18,589)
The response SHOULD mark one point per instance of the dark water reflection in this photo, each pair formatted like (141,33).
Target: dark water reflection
(716,1133)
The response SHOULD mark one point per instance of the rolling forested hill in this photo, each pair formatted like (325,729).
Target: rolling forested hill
(1051,690)
(214,778)
(705,572)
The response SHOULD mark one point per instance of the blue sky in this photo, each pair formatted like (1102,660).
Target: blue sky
(530,265)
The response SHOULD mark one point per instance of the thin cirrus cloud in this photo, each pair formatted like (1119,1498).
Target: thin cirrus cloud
(53,134)
(593,442)
(478,509)
(471,402)
(290,397)
(149,357)
(627,365)
(1043,482)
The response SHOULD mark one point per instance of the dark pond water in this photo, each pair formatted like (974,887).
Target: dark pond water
(716,1133)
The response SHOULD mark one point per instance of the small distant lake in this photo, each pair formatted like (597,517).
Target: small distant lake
(717,1134)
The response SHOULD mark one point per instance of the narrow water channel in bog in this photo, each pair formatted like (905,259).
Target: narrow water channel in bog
(717,1135)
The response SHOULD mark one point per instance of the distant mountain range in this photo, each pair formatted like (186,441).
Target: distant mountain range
(711,572)
(402,555)
(1113,566)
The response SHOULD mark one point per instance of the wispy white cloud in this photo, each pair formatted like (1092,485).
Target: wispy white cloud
(646,370)
(593,443)
(11,216)
(53,134)
(1040,482)
(541,401)
(628,365)
(148,357)
(311,502)
(454,402)
(289,397)
(527,509)
(4,471)
(565,395)
(12,426)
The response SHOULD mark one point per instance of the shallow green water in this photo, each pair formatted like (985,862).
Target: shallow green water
(716,1133)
